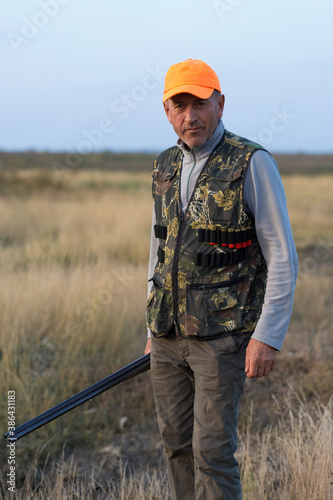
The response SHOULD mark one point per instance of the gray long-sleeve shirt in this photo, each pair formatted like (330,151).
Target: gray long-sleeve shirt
(265,199)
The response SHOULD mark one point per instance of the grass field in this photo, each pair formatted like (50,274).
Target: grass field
(73,253)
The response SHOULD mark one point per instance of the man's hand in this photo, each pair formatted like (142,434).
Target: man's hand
(260,359)
(148,346)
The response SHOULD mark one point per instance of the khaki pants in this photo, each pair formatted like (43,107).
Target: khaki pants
(197,387)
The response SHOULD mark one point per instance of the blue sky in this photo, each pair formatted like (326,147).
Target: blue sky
(87,76)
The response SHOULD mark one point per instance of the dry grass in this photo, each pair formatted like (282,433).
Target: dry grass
(293,459)
(73,255)
(61,483)
(310,204)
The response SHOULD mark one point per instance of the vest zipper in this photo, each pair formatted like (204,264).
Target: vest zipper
(189,177)
(175,265)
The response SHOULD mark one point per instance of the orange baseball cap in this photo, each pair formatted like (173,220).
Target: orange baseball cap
(191,76)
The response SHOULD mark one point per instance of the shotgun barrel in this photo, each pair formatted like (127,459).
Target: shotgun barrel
(127,372)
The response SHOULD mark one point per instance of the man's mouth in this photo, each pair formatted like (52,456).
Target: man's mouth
(193,129)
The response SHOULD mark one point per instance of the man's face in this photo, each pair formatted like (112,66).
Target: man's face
(194,120)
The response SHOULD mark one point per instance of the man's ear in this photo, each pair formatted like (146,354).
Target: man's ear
(220,103)
(167,110)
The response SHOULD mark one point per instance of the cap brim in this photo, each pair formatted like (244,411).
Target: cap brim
(201,92)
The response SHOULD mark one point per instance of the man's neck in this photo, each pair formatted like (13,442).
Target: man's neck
(207,147)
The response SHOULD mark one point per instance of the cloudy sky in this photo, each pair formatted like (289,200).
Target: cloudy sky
(85,75)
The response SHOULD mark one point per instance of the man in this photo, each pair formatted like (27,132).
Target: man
(222,274)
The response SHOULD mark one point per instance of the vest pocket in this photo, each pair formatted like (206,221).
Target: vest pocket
(159,316)
(214,309)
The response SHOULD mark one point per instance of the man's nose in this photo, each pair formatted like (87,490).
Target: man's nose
(190,114)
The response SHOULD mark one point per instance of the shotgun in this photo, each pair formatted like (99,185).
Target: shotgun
(127,372)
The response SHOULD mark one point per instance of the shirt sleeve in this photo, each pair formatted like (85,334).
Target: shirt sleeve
(265,199)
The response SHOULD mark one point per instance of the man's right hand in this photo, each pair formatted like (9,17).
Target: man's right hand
(148,346)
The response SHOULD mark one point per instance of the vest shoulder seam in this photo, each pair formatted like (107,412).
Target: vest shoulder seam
(241,142)
(174,151)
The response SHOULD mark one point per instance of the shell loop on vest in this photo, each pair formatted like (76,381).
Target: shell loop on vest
(160,231)
(226,237)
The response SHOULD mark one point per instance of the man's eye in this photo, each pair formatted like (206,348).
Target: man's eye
(178,108)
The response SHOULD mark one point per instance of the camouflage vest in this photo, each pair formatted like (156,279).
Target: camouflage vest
(210,277)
